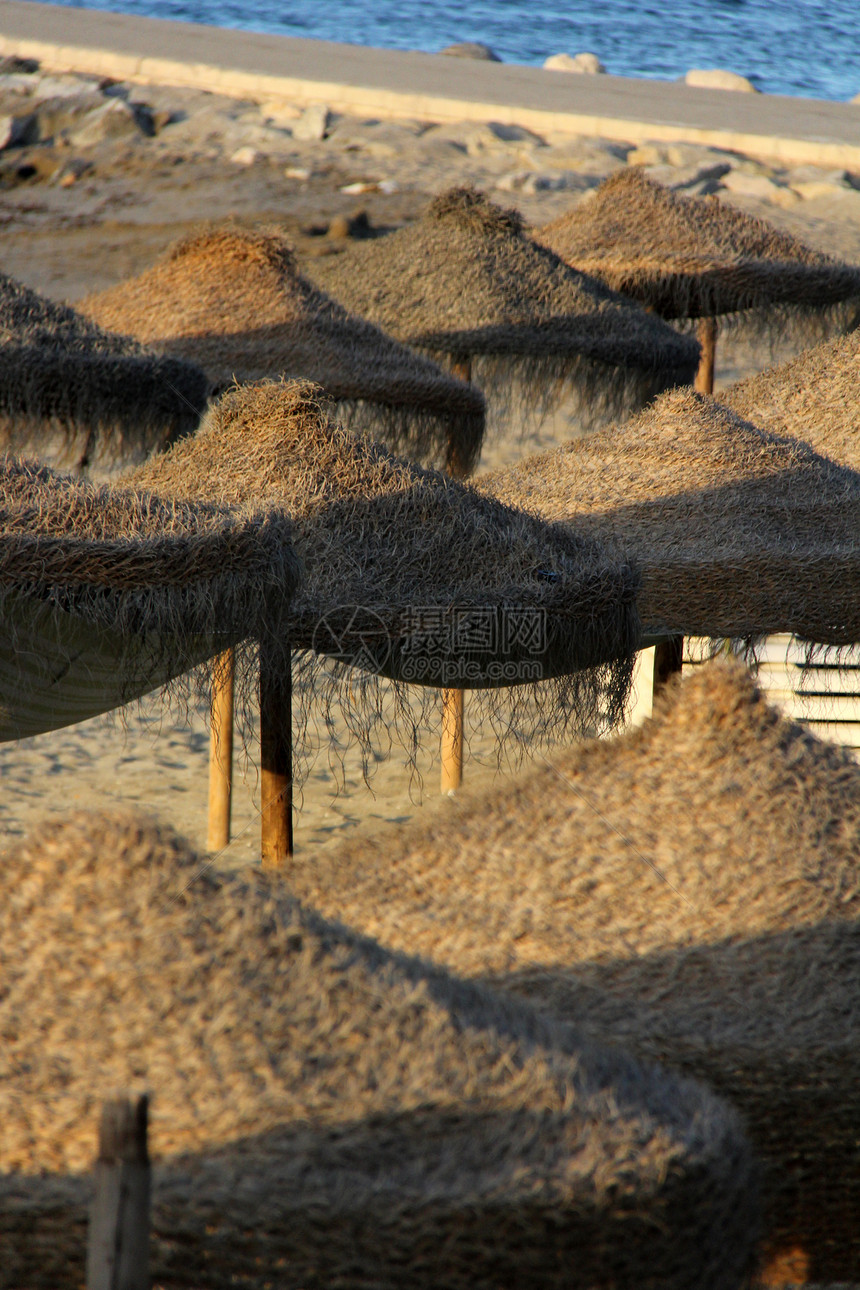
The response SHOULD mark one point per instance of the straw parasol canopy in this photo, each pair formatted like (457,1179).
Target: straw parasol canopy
(82,398)
(689,890)
(108,593)
(693,257)
(325,1112)
(465,282)
(736,532)
(814,397)
(410,573)
(234,302)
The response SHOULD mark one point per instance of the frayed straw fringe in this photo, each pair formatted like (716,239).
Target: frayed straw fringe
(689,891)
(139,588)
(389,548)
(326,1112)
(692,257)
(523,390)
(235,302)
(77,396)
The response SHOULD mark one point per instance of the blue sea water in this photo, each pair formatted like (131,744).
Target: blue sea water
(804,47)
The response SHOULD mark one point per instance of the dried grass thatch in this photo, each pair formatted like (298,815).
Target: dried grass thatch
(694,257)
(412,574)
(84,399)
(106,593)
(466,282)
(325,1112)
(235,302)
(814,397)
(736,532)
(691,890)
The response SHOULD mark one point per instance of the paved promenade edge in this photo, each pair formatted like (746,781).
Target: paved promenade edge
(102,44)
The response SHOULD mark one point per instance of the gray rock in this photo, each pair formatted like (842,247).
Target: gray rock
(685,177)
(588,64)
(113,120)
(17,129)
(471,49)
(313,123)
(717,78)
(62,115)
(680,154)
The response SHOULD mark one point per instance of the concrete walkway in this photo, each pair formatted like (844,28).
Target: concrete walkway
(392,84)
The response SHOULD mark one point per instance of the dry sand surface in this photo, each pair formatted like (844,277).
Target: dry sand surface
(108,175)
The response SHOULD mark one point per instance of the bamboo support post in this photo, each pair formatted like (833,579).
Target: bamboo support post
(707,336)
(452,700)
(276,763)
(118,1235)
(668,661)
(221,752)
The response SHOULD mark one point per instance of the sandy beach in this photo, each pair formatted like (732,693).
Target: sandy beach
(131,168)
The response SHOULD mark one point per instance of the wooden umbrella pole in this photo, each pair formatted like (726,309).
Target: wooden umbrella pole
(707,335)
(452,700)
(452,740)
(221,752)
(276,763)
(668,661)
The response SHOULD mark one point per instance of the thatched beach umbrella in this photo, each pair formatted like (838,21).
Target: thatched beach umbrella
(466,284)
(82,398)
(736,532)
(814,397)
(325,1112)
(695,257)
(410,573)
(107,593)
(234,302)
(690,889)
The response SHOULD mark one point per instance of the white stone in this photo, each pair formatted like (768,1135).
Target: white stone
(361,186)
(246,156)
(313,123)
(588,64)
(61,87)
(297,172)
(811,190)
(275,112)
(717,78)
(760,187)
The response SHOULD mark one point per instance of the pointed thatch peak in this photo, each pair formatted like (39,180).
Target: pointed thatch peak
(472,211)
(78,396)
(234,301)
(737,532)
(718,818)
(343,1112)
(465,280)
(688,257)
(814,397)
